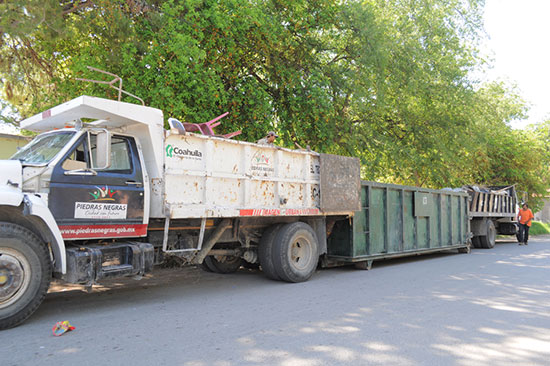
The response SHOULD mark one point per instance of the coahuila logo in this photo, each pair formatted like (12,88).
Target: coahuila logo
(172,150)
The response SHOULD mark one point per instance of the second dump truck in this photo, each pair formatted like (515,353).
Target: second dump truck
(492,211)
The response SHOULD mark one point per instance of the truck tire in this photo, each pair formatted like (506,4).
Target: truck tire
(487,241)
(25,274)
(227,265)
(204,266)
(295,252)
(475,242)
(265,252)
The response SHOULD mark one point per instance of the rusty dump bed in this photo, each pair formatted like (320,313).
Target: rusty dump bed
(397,221)
(493,201)
(208,176)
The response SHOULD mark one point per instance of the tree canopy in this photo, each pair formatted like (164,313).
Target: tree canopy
(388,81)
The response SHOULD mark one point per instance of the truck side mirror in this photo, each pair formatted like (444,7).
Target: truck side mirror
(103,150)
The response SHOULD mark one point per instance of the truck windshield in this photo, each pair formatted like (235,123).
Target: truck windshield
(43,148)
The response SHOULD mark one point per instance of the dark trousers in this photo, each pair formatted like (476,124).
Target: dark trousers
(523,233)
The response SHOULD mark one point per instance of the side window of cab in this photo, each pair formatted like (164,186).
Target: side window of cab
(79,158)
(121,159)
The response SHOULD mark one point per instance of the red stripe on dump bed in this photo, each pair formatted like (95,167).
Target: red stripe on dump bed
(278,212)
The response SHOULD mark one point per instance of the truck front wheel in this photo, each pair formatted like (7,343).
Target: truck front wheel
(295,252)
(25,274)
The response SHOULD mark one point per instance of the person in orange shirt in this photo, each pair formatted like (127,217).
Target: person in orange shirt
(525,216)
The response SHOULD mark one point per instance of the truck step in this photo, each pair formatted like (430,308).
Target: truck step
(88,264)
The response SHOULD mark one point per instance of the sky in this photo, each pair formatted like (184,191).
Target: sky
(519,32)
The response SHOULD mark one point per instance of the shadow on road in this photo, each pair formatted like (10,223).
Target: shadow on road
(487,307)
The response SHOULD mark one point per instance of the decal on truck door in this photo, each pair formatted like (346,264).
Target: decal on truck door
(108,203)
(99,210)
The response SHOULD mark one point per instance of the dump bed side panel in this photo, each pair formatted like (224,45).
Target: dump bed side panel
(215,177)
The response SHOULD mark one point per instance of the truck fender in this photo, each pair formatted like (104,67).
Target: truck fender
(10,196)
(34,206)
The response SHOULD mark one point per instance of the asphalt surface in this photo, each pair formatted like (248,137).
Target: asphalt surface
(489,307)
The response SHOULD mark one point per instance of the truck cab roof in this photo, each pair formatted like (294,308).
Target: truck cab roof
(111,113)
(146,124)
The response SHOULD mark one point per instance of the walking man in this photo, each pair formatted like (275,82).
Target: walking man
(525,216)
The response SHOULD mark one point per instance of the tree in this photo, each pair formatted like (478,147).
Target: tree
(388,81)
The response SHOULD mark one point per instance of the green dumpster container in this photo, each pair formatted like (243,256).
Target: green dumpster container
(397,221)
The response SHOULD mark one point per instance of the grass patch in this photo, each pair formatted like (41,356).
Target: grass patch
(539,228)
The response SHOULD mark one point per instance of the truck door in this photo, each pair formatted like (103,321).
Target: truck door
(104,203)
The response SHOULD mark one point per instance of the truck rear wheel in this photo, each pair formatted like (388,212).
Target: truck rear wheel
(475,242)
(265,252)
(25,274)
(295,252)
(224,264)
(487,241)
(205,267)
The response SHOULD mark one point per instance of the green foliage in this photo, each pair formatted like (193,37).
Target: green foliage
(388,81)
(7,114)
(539,228)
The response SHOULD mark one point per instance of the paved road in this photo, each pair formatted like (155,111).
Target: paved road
(490,307)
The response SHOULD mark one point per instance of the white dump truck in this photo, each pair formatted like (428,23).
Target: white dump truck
(104,191)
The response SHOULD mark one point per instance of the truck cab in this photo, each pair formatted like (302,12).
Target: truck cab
(72,186)
(83,186)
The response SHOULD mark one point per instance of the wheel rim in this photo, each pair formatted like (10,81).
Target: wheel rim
(301,253)
(14,276)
